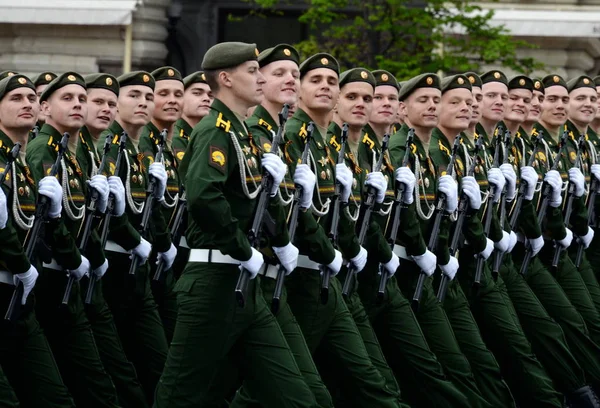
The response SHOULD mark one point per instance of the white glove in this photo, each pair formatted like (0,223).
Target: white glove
(576,177)
(536,245)
(50,187)
(489,248)
(554,180)
(101,270)
(142,250)
(168,257)
(595,170)
(450,268)
(359,261)
(28,279)
(448,187)
(511,180)
(276,168)
(586,239)
(427,262)
(496,178)
(117,189)
(3,210)
(377,181)
(471,189)
(254,264)
(305,178)
(512,241)
(288,257)
(405,176)
(343,175)
(566,241)
(392,265)
(504,243)
(529,177)
(157,170)
(82,269)
(336,264)
(100,184)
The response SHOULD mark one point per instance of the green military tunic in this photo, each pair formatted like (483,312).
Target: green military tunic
(80,366)
(181,137)
(593,252)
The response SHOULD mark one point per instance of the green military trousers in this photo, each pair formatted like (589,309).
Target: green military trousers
(212,331)
(72,342)
(8,398)
(593,253)
(587,273)
(121,370)
(166,299)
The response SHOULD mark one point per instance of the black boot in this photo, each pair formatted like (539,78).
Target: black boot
(583,397)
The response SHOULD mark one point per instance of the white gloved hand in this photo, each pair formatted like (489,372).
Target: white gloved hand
(254,264)
(343,175)
(553,179)
(101,270)
(427,262)
(529,177)
(377,181)
(595,170)
(576,177)
(536,245)
(116,188)
(471,189)
(392,265)
(496,178)
(305,178)
(586,239)
(168,257)
(28,279)
(503,244)
(142,251)
(450,268)
(50,187)
(288,257)
(512,241)
(82,269)
(405,176)
(3,210)
(511,180)
(336,264)
(566,241)
(489,248)
(100,184)
(276,168)
(448,187)
(157,170)
(359,261)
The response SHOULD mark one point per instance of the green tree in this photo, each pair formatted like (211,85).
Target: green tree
(405,37)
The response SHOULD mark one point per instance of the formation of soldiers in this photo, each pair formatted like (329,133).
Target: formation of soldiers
(273,233)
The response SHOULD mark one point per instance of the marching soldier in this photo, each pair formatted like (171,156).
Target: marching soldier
(40,81)
(64,103)
(593,254)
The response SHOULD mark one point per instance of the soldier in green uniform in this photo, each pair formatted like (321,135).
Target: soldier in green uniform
(130,297)
(535,108)
(40,81)
(64,103)
(222,182)
(25,354)
(593,254)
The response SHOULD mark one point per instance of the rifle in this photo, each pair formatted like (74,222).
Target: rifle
(368,209)
(437,222)
(398,204)
(544,203)
(176,231)
(462,214)
(570,198)
(8,165)
(335,217)
(34,132)
(266,185)
(91,215)
(150,196)
(594,191)
(497,255)
(32,241)
(110,206)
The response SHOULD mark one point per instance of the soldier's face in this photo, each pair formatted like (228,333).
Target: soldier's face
(422,107)
(385,105)
(168,100)
(555,106)
(535,107)
(67,107)
(246,82)
(283,82)
(38,90)
(456,109)
(135,104)
(355,103)
(493,105)
(583,105)
(19,109)
(319,89)
(476,106)
(102,109)
(517,107)
(197,100)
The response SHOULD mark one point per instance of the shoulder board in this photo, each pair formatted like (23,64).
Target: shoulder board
(264,124)
(116,139)
(443,148)
(222,123)
(334,143)
(368,141)
(535,132)
(303,132)
(182,134)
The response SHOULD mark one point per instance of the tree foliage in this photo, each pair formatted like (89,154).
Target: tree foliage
(405,37)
